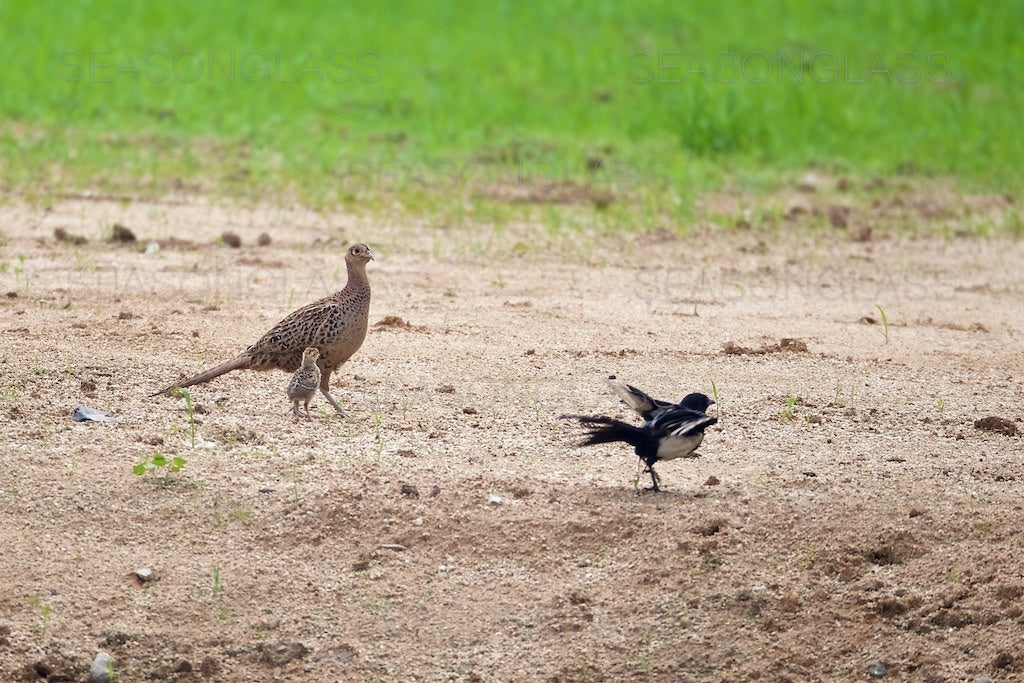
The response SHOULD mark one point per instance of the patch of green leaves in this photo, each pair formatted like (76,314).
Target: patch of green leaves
(159,462)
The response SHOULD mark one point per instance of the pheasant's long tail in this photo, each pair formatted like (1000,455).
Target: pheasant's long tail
(240,363)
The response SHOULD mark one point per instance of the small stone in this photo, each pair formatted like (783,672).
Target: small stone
(182,666)
(494,499)
(263,240)
(151,249)
(435,491)
(418,521)
(470,410)
(231,239)
(814,419)
(144,574)
(88,386)
(809,473)
(101,667)
(712,481)
(410,491)
(360,566)
(397,547)
(876,670)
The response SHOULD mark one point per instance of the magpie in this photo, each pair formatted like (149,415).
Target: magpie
(669,431)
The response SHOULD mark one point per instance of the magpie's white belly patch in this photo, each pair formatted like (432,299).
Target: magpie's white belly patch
(673,447)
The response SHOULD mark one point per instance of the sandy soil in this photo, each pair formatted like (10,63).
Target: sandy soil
(846,515)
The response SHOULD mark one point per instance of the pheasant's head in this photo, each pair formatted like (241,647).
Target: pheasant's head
(310,356)
(359,253)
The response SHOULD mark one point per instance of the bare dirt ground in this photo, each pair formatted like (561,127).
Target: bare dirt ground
(847,514)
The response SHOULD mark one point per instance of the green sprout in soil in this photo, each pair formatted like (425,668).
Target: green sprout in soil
(715,395)
(184,393)
(787,412)
(159,460)
(885,322)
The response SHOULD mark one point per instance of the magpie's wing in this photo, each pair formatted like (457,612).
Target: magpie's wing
(636,399)
(678,421)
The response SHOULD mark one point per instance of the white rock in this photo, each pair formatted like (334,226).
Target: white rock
(144,574)
(494,499)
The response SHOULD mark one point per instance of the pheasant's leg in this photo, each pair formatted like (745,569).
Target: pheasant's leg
(325,384)
(308,416)
(295,410)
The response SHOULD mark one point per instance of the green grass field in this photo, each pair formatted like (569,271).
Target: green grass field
(350,102)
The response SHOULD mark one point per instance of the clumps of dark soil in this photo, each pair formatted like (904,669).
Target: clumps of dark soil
(121,233)
(263,240)
(397,323)
(785,344)
(178,243)
(710,527)
(999,425)
(282,653)
(894,549)
(62,235)
(231,239)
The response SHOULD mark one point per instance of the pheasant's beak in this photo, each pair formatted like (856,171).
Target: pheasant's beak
(370,254)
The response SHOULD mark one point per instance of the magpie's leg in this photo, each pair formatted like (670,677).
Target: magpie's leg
(654,478)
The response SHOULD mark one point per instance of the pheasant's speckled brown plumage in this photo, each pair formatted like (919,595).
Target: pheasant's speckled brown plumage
(335,326)
(304,382)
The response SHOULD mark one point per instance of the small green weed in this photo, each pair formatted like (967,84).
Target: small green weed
(787,412)
(885,322)
(185,394)
(218,587)
(159,460)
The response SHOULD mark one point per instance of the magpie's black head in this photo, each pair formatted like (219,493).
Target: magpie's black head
(698,402)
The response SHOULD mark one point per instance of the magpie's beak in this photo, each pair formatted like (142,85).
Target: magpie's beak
(711,402)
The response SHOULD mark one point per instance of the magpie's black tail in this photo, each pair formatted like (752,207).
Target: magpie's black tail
(606,430)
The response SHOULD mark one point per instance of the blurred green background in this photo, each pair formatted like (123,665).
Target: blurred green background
(346,103)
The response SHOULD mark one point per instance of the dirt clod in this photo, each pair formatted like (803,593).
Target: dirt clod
(731,348)
(209,667)
(62,235)
(121,233)
(282,653)
(231,239)
(264,240)
(999,425)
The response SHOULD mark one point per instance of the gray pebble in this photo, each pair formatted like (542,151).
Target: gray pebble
(101,667)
